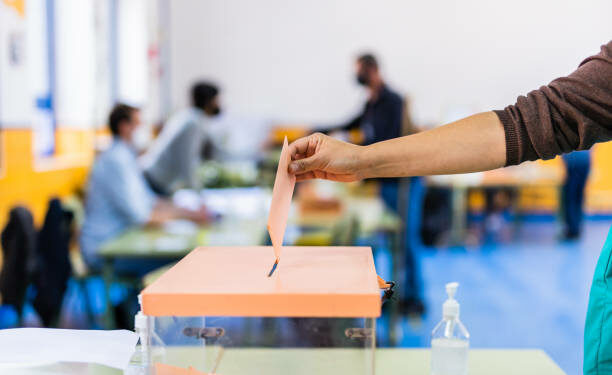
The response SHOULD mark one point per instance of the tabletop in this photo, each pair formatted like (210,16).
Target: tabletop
(243,223)
(387,362)
(163,243)
(372,213)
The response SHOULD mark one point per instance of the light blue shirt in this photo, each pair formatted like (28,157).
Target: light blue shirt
(118,197)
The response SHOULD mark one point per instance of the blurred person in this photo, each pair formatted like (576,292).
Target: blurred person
(570,113)
(381,119)
(118,196)
(577,168)
(172,160)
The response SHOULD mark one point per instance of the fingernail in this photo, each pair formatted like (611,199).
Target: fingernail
(293,168)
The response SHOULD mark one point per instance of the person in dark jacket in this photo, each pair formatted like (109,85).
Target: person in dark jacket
(380,120)
(381,117)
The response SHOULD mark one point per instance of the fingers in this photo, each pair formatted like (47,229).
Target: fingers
(298,148)
(306,146)
(303,165)
(325,176)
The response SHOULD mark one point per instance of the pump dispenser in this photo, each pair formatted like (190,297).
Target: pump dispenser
(449,339)
(145,355)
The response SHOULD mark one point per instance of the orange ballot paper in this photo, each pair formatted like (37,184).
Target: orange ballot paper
(281,201)
(163,369)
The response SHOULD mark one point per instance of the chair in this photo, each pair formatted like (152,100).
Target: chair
(18,246)
(81,274)
(54,267)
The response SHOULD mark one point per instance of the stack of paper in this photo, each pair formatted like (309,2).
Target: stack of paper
(48,345)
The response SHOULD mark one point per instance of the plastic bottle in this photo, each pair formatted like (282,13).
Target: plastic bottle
(146,353)
(450,339)
(140,363)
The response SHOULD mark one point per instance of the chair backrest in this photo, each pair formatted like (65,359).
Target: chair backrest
(18,246)
(54,267)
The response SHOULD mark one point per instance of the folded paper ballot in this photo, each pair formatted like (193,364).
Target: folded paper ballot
(48,345)
(281,200)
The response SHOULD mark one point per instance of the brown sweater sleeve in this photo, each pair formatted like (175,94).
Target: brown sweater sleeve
(571,113)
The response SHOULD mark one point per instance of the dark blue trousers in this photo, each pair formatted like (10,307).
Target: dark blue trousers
(413,199)
(578,166)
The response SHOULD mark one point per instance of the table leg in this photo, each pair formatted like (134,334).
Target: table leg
(397,265)
(459,224)
(109,312)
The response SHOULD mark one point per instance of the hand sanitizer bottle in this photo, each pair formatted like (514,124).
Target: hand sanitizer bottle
(140,363)
(450,340)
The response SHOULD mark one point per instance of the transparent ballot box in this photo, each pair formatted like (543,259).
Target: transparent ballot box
(217,311)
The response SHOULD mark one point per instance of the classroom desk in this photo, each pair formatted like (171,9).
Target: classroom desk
(387,362)
(159,243)
(529,174)
(371,212)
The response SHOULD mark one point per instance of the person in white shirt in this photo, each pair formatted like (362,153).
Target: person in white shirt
(172,160)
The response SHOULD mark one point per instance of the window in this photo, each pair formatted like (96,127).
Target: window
(40,66)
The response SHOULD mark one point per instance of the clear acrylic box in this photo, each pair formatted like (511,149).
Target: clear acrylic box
(217,312)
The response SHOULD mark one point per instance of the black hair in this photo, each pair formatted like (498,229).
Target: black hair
(368,60)
(120,113)
(202,93)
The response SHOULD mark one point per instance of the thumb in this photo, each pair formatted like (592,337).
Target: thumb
(303,165)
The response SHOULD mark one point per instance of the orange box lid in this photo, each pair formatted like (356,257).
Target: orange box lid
(314,281)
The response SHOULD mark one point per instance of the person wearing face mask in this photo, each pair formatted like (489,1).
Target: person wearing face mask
(381,117)
(380,120)
(172,160)
(118,197)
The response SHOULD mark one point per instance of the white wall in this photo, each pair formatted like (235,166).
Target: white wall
(293,61)
(75,63)
(15,103)
(132,51)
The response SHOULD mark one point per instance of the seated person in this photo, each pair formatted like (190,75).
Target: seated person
(171,162)
(118,196)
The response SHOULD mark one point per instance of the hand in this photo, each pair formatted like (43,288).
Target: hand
(321,156)
(200,216)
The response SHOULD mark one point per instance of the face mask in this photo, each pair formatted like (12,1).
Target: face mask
(141,138)
(362,79)
(214,111)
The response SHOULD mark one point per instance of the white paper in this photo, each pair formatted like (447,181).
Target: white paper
(44,345)
(64,368)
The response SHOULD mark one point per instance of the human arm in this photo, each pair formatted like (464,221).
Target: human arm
(572,113)
(475,143)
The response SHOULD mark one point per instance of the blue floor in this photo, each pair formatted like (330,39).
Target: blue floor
(529,293)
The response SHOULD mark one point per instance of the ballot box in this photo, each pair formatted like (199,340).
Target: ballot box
(218,311)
